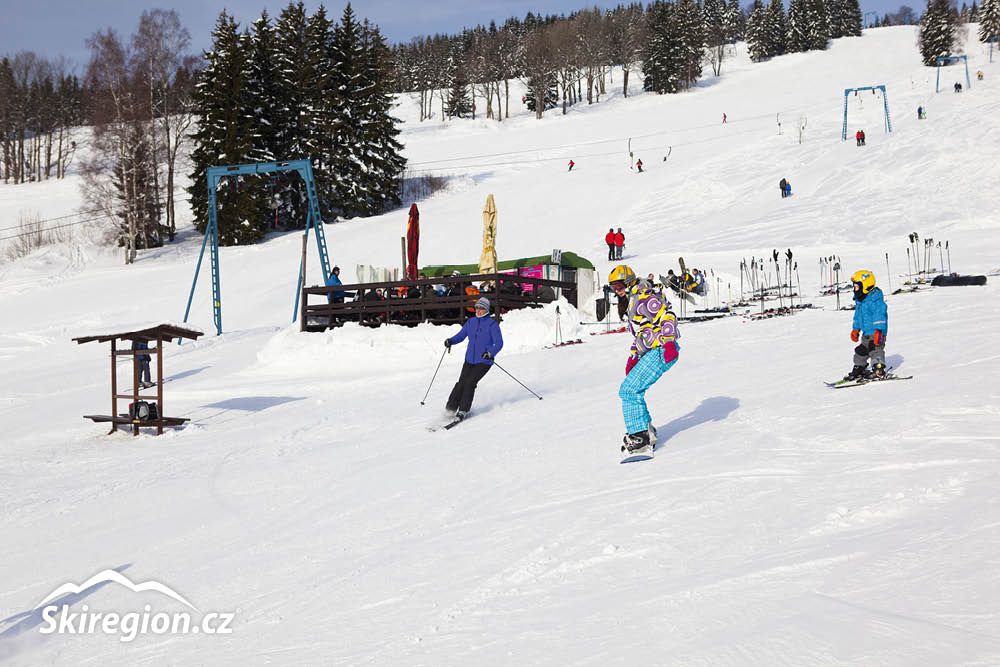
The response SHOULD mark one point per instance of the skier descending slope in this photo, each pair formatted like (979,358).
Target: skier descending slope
(653,352)
(871,323)
(485,342)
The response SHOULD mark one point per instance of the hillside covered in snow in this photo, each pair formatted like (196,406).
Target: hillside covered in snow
(781,522)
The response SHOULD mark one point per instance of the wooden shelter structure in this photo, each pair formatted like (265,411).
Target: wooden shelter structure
(160,334)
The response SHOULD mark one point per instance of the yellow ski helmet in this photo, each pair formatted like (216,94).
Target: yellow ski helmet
(622,273)
(865,278)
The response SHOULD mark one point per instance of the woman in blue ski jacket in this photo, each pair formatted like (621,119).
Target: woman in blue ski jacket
(871,324)
(485,342)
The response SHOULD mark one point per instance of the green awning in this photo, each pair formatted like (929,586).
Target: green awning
(569,260)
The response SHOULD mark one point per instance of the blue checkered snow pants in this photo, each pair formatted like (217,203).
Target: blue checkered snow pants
(633,390)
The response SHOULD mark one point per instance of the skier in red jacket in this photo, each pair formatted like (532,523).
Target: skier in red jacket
(609,238)
(619,243)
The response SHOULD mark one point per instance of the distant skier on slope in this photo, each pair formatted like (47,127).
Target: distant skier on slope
(571,165)
(871,323)
(654,350)
(619,244)
(609,238)
(485,342)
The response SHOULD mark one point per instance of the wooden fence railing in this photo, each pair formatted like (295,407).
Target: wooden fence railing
(410,302)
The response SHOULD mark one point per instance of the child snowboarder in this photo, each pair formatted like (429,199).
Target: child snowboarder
(654,350)
(485,342)
(871,323)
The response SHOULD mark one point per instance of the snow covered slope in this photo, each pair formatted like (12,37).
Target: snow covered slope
(781,522)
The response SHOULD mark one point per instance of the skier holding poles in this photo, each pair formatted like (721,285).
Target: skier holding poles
(654,350)
(485,342)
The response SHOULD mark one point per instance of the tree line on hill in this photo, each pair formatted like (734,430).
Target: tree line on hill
(40,100)
(304,86)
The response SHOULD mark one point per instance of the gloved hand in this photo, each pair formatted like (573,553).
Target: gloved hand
(447,343)
(487,356)
(855,335)
(630,364)
(878,338)
(669,352)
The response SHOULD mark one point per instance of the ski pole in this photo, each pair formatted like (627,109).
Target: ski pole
(941,256)
(515,379)
(888,272)
(798,281)
(949,255)
(446,350)
(908,270)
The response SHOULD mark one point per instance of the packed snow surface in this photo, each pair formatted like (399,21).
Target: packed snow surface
(781,523)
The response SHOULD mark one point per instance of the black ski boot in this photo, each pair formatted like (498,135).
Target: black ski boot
(858,373)
(635,442)
(879,372)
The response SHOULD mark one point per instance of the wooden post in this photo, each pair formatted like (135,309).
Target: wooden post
(114,387)
(159,384)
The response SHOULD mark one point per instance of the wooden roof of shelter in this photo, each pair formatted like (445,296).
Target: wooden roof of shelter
(166,331)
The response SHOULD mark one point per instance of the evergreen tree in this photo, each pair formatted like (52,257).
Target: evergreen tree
(988,14)
(674,49)
(777,27)
(383,163)
(938,31)
(551,93)
(845,18)
(735,22)
(808,25)
(458,104)
(224,136)
(758,43)
(660,66)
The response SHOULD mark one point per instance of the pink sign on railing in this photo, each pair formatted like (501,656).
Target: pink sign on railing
(537,271)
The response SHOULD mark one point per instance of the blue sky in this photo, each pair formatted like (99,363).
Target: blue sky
(54,27)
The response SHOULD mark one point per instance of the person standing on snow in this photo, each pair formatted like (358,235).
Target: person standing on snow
(638,165)
(871,323)
(654,351)
(857,138)
(609,238)
(619,244)
(485,342)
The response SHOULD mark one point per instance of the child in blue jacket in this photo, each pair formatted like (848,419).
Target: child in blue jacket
(871,324)
(485,342)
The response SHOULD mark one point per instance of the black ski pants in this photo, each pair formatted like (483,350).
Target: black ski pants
(611,251)
(465,389)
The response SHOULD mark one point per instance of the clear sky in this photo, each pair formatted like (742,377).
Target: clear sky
(54,27)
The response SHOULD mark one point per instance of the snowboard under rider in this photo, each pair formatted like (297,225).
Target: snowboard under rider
(485,342)
(654,350)
(871,324)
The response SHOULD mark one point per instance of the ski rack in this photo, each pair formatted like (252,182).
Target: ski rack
(885,105)
(947,60)
(314,221)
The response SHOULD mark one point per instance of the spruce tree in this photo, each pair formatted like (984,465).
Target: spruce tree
(758,43)
(938,31)
(808,25)
(458,105)
(735,22)
(383,163)
(777,26)
(660,67)
(845,18)
(224,136)
(989,20)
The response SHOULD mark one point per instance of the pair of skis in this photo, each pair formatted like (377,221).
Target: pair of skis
(840,384)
